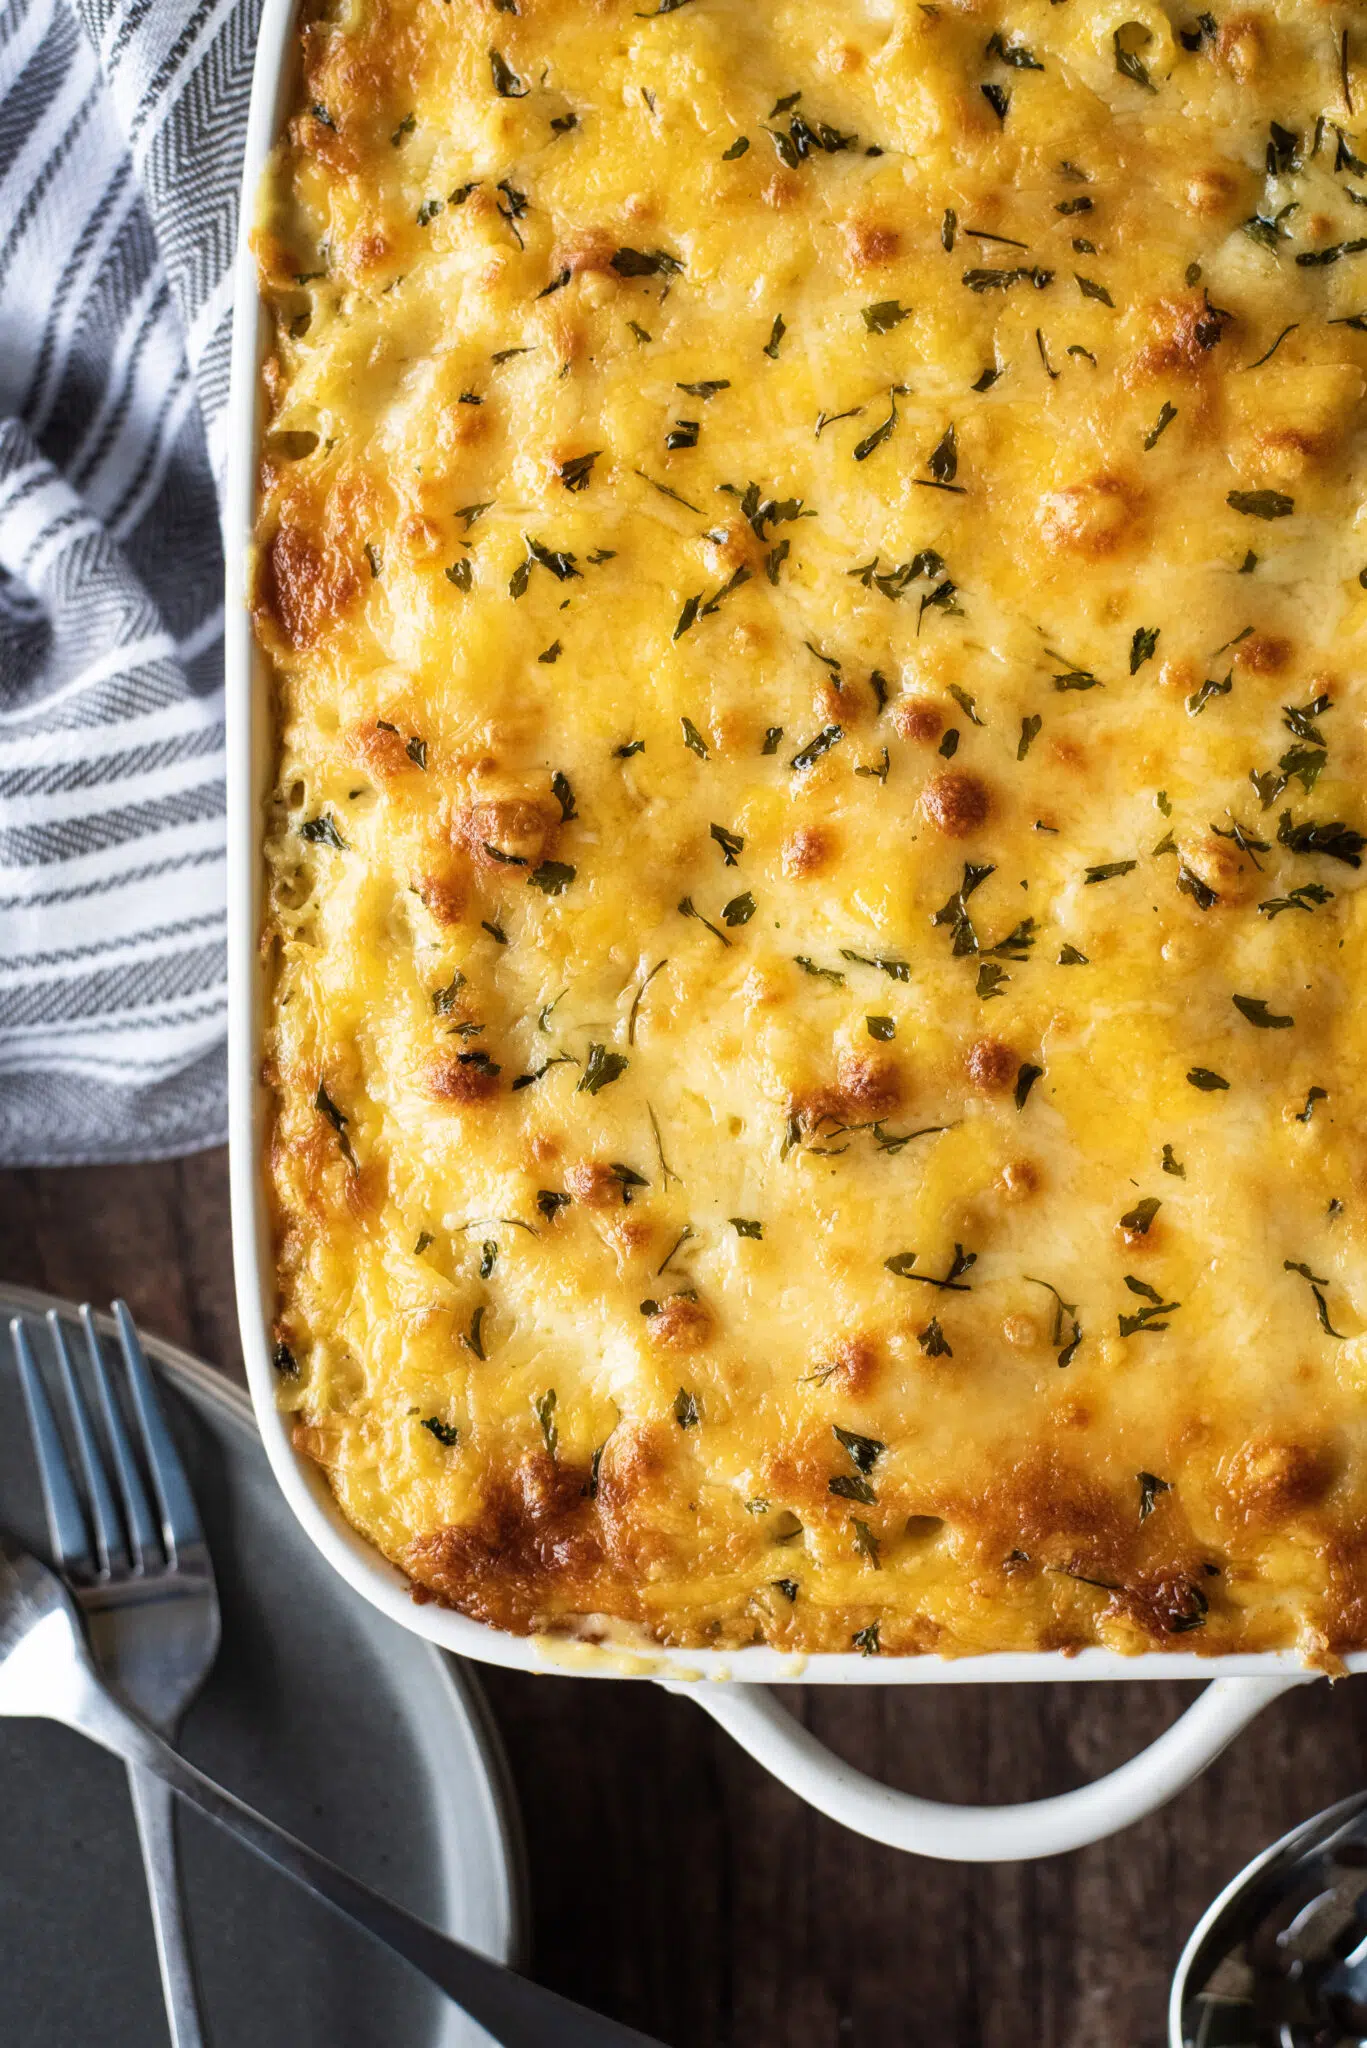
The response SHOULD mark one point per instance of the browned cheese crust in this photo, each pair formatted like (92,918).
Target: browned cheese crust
(810,559)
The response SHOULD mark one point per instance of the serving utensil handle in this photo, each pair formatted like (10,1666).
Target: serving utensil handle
(753,1717)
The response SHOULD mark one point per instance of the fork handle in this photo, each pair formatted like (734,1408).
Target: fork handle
(513,2010)
(154,1806)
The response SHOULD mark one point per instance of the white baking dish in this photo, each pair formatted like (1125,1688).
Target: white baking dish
(730,1686)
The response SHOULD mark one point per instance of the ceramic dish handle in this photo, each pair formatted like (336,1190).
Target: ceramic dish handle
(985,1834)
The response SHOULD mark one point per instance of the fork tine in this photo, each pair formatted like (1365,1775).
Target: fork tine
(104,1515)
(180,1524)
(142,1531)
(66,1524)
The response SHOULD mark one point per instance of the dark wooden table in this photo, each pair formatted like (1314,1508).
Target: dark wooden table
(676,1885)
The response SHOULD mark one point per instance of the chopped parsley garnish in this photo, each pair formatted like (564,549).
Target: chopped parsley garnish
(1137,1221)
(686,1411)
(745,1226)
(552,878)
(1172,1165)
(1068,1340)
(1150,1486)
(600,1068)
(933,1341)
(1025,1081)
(1147,1321)
(322,831)
(1142,646)
(883,317)
(828,737)
(1316,1285)
(445,1433)
(739,910)
(325,1105)
(902,1262)
(507,84)
(687,908)
(865,1451)
(1258,1014)
(692,738)
(880,1027)
(1206,1080)
(1261,504)
(1108,870)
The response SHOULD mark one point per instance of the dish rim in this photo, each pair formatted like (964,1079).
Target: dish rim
(249,760)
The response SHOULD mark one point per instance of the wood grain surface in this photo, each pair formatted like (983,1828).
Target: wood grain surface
(677,1886)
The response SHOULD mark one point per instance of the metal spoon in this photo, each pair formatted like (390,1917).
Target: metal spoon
(46,1673)
(1280,1958)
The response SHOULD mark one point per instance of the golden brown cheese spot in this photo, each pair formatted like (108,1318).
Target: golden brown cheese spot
(380,750)
(806,851)
(870,243)
(305,584)
(1271,1478)
(1221,865)
(918,718)
(506,832)
(446,895)
(956,803)
(1211,191)
(867,1086)
(462,1079)
(593,1182)
(1093,519)
(852,1364)
(1263,654)
(1020,1179)
(1240,46)
(1183,333)
(534,1540)
(991,1066)
(680,1324)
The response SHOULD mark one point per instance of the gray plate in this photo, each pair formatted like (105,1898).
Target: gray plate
(353,1733)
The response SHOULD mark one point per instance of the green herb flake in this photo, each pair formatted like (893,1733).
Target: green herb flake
(600,1068)
(1108,870)
(1259,1015)
(880,1027)
(543,1407)
(322,831)
(1142,646)
(552,878)
(933,1341)
(1261,504)
(687,908)
(1166,416)
(445,1433)
(1150,1486)
(1206,1080)
(1025,1081)
(882,318)
(1136,1222)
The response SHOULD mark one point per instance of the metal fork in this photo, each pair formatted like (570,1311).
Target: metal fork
(144,1582)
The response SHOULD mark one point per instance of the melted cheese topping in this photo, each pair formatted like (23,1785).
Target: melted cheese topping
(810,557)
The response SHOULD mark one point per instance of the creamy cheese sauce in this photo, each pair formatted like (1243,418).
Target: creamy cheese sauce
(811,561)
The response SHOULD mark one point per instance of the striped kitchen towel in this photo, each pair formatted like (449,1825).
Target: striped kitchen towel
(121,129)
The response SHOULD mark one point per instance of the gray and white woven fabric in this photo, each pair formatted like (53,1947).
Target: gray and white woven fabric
(121,127)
